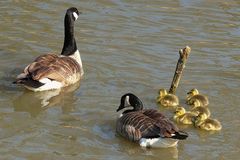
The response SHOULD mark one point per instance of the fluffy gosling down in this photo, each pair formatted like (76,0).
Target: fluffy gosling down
(199,109)
(196,99)
(182,116)
(203,122)
(166,99)
(148,127)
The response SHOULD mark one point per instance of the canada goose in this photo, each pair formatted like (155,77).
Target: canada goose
(196,99)
(51,71)
(200,109)
(182,116)
(148,127)
(203,122)
(166,99)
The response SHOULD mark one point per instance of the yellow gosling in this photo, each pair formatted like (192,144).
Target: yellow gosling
(166,99)
(182,116)
(199,109)
(203,122)
(196,99)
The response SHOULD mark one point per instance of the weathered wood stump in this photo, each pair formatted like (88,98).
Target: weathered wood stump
(184,53)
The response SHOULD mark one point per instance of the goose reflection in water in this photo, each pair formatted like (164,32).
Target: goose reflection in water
(36,102)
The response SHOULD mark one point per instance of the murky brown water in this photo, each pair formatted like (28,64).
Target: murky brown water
(126,46)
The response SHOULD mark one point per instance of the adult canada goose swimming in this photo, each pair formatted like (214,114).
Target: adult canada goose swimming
(196,99)
(203,122)
(148,127)
(182,116)
(166,99)
(51,71)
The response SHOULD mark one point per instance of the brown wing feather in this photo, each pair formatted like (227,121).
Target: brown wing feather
(51,66)
(166,126)
(136,125)
(145,124)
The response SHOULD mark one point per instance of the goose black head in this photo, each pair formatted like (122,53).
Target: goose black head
(73,13)
(130,100)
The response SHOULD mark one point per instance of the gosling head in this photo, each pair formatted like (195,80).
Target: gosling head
(193,91)
(162,92)
(199,118)
(180,111)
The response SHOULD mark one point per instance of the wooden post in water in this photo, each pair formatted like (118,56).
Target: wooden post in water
(184,53)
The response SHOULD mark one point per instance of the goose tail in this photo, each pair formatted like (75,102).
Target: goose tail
(28,82)
(181,135)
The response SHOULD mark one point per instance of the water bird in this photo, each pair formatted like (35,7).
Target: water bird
(200,109)
(166,99)
(182,116)
(203,122)
(148,127)
(52,71)
(196,99)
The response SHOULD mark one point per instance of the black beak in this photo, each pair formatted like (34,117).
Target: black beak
(119,108)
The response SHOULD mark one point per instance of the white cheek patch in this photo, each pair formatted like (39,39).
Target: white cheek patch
(75,15)
(126,103)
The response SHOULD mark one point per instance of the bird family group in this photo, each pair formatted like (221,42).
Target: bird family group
(148,127)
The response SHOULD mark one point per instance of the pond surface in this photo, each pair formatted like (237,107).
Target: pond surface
(126,46)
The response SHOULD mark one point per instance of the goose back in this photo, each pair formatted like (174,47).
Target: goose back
(148,123)
(62,69)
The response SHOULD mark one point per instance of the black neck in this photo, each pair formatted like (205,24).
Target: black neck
(129,110)
(69,46)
